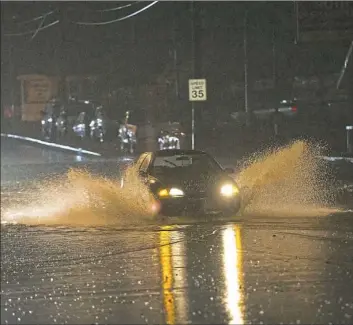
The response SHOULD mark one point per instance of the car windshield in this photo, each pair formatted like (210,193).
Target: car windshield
(192,163)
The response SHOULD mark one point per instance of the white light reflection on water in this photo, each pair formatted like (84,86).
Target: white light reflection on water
(233,273)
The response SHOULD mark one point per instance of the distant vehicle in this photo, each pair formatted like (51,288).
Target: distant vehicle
(50,115)
(88,121)
(102,126)
(188,181)
(286,109)
(127,132)
(60,118)
(69,116)
(170,136)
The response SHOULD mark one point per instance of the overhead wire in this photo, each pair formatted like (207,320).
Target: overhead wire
(39,27)
(118,8)
(43,16)
(33,30)
(36,18)
(115,20)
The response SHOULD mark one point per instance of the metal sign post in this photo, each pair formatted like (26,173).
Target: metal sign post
(349,129)
(197,92)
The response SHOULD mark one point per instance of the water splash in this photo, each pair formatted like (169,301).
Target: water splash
(80,198)
(287,181)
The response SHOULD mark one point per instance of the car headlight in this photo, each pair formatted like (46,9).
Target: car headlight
(176,192)
(229,190)
(173,192)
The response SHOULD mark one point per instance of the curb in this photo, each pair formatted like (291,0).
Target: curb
(52,144)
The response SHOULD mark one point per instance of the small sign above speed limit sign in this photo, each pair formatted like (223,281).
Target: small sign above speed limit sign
(197,90)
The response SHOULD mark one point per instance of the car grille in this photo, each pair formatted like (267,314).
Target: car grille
(195,189)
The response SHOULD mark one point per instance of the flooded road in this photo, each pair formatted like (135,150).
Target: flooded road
(251,271)
(265,268)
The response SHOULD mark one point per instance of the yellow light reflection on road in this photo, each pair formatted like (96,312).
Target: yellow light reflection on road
(232,259)
(180,276)
(167,274)
(172,257)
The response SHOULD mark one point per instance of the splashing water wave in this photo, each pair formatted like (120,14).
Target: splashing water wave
(80,198)
(287,181)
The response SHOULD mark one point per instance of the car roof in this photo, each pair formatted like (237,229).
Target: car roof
(175,152)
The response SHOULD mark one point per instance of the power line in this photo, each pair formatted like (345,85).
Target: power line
(39,27)
(34,30)
(36,18)
(118,8)
(118,19)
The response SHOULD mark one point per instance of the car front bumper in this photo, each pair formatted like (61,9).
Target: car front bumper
(198,204)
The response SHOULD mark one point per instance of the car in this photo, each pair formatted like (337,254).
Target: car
(188,181)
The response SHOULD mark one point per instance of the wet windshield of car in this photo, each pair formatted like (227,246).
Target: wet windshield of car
(184,163)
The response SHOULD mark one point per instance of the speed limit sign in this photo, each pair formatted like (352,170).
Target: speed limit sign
(197,90)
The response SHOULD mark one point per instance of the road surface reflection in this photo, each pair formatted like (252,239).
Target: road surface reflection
(233,270)
(173,257)
(290,271)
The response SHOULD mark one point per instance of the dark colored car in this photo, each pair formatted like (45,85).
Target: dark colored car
(188,180)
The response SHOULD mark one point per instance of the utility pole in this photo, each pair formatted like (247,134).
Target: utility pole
(58,54)
(12,86)
(175,57)
(274,58)
(193,54)
(274,78)
(297,27)
(246,68)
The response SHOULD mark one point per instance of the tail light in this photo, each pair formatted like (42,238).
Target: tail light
(294,109)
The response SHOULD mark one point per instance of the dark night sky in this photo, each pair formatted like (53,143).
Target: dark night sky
(139,49)
(88,48)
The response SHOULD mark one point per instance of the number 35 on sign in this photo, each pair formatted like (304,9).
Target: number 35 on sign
(197,90)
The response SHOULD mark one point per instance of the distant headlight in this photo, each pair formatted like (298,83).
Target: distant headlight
(173,192)
(229,190)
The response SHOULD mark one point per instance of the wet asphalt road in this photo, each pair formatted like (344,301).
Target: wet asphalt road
(23,162)
(245,270)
